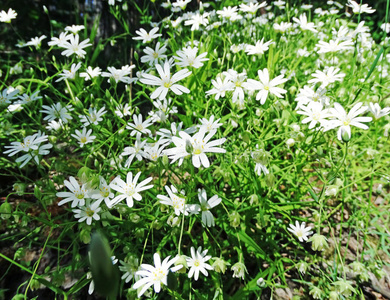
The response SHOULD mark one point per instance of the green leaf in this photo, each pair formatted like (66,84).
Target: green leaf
(251,244)
(105,275)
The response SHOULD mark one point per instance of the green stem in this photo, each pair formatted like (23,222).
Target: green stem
(37,263)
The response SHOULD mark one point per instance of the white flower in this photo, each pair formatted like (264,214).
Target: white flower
(56,111)
(91,73)
(112,2)
(307,95)
(301,231)
(155,275)
(104,192)
(138,126)
(123,110)
(210,124)
(237,79)
(135,151)
(145,36)
(206,205)
(197,20)
(36,41)
(83,137)
(334,46)
(197,262)
(154,55)
(166,135)
(54,125)
(6,96)
(93,117)
(69,74)
(174,200)
(74,28)
(302,22)
(59,41)
(187,57)
(154,152)
(74,47)
(327,78)
(32,145)
(252,7)
(181,3)
(6,17)
(196,146)
(220,87)
(164,108)
(30,142)
(166,82)
(376,110)
(385,27)
(259,48)
(266,86)
(119,74)
(359,9)
(25,99)
(229,13)
(344,120)
(77,194)
(282,27)
(315,113)
(129,190)
(88,212)
(130,268)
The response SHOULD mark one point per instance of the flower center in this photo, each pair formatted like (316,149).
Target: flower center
(129,191)
(196,263)
(89,212)
(316,116)
(346,122)
(79,195)
(266,88)
(83,140)
(158,274)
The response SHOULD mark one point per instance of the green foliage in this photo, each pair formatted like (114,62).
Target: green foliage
(297,199)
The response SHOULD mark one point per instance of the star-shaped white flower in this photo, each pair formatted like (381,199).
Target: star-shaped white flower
(155,275)
(266,86)
(129,190)
(300,230)
(166,82)
(197,262)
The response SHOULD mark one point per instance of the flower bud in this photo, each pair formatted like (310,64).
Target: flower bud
(270,180)
(315,292)
(181,261)
(135,218)
(5,210)
(331,190)
(253,199)
(234,219)
(220,265)
(302,267)
(173,221)
(319,242)
(333,295)
(290,143)
(344,287)
(260,282)
(357,267)
(239,270)
(189,147)
(345,135)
